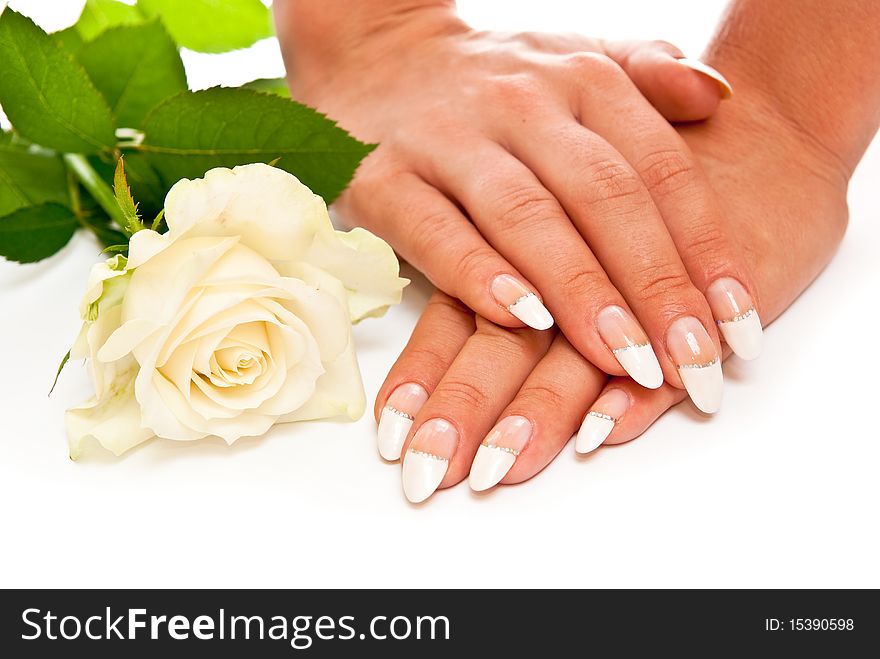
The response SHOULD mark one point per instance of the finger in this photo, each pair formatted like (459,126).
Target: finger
(525,222)
(466,402)
(686,202)
(681,89)
(608,202)
(622,412)
(427,230)
(439,336)
(541,418)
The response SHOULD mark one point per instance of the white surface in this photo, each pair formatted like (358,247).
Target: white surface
(779,489)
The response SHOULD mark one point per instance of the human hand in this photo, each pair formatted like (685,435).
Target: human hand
(515,164)
(503,402)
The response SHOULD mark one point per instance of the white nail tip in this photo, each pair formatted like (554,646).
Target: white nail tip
(744,335)
(594,430)
(704,385)
(707,70)
(532,312)
(422,475)
(641,364)
(489,467)
(392,432)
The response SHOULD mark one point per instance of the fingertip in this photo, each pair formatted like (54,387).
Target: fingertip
(710,72)
(688,94)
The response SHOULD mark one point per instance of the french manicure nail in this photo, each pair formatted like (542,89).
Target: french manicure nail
(736,316)
(630,345)
(698,363)
(521,302)
(706,70)
(499,451)
(600,420)
(427,458)
(397,418)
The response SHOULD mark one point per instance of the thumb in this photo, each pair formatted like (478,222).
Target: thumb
(681,89)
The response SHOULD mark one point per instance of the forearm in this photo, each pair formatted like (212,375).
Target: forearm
(816,61)
(318,35)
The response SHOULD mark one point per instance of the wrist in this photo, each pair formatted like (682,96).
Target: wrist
(320,38)
(827,94)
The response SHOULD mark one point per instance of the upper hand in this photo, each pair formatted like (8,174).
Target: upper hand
(511,165)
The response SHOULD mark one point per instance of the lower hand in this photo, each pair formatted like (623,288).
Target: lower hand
(518,396)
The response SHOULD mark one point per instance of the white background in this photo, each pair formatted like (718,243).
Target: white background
(779,489)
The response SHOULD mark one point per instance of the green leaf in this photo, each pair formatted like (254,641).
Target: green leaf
(212,26)
(125,200)
(29,177)
(61,366)
(135,67)
(69,38)
(36,232)
(277,86)
(193,132)
(48,96)
(98,15)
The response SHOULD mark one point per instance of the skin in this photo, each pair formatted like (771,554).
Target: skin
(778,130)
(542,157)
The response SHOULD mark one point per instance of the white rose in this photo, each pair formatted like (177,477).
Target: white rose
(236,319)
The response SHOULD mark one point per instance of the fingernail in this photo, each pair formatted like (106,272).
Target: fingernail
(521,302)
(397,418)
(736,316)
(427,458)
(600,420)
(630,345)
(499,451)
(692,350)
(706,70)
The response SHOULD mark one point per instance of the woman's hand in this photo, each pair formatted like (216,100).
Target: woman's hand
(511,165)
(501,403)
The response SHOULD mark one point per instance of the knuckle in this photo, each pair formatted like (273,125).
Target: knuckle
(663,45)
(610,181)
(473,260)
(539,396)
(430,231)
(443,305)
(594,65)
(524,206)
(516,92)
(667,172)
(705,241)
(426,359)
(659,283)
(460,394)
(579,282)
(507,343)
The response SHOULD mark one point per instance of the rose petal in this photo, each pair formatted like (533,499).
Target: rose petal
(339,391)
(366,266)
(269,209)
(113,420)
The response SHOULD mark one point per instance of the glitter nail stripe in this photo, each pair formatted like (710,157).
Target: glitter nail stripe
(519,299)
(428,455)
(599,415)
(738,317)
(396,411)
(707,365)
(512,451)
(637,345)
